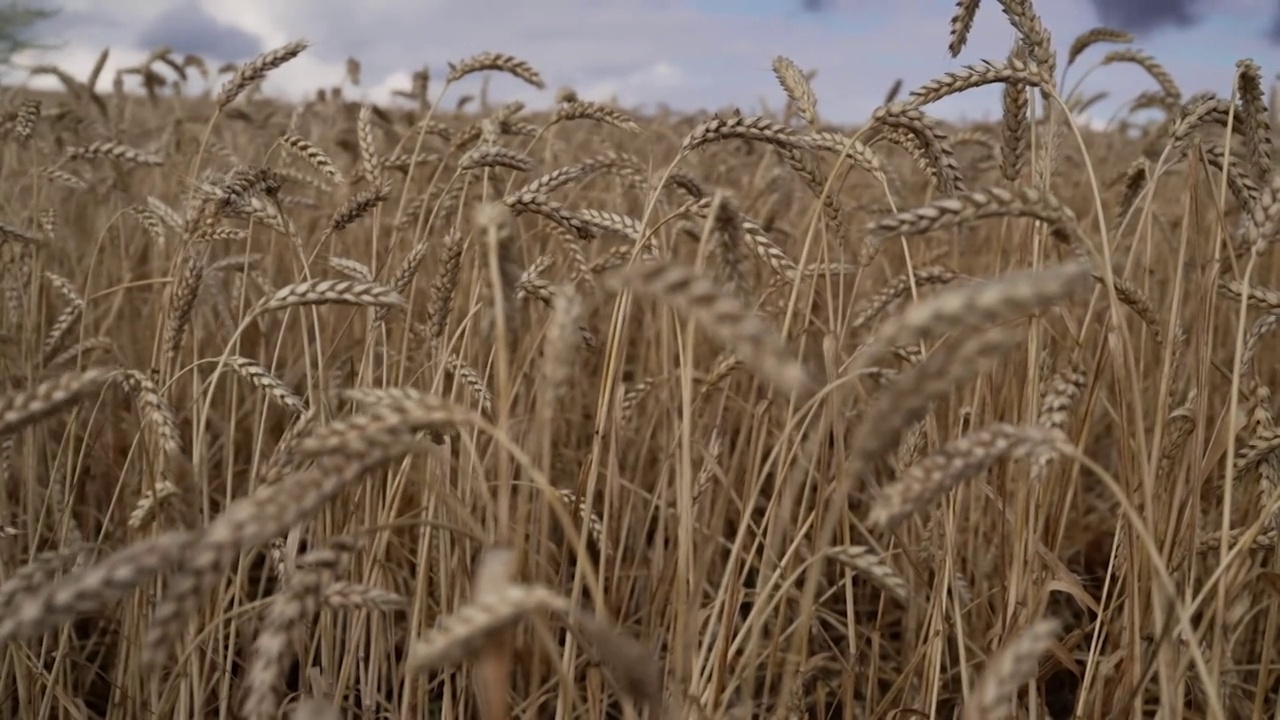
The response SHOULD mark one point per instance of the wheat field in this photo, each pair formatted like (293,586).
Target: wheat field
(451,409)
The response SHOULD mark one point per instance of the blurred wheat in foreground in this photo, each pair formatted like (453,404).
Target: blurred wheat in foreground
(345,411)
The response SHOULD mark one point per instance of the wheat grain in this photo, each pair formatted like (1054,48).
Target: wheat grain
(961,25)
(357,206)
(868,562)
(958,461)
(1167,84)
(94,587)
(317,157)
(146,505)
(1013,666)
(586,110)
(82,348)
(1016,71)
(330,292)
(343,451)
(24,407)
(922,130)
(1094,36)
(345,595)
(742,331)
(498,62)
(908,398)
(252,72)
(899,288)
(797,87)
(758,129)
(289,609)
(37,573)
(445,284)
(1254,118)
(1015,130)
(370,161)
(492,156)
(1035,35)
(115,151)
(264,380)
(157,415)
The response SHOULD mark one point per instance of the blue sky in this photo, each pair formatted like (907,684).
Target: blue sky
(689,54)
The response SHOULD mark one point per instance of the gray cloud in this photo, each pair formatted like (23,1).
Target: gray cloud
(1146,15)
(90,25)
(189,28)
(110,23)
(1137,16)
(1133,15)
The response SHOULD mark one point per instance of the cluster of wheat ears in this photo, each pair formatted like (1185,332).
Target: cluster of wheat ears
(336,410)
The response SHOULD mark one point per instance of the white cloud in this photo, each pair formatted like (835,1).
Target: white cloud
(660,76)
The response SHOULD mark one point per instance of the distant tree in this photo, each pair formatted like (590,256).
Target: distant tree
(17,21)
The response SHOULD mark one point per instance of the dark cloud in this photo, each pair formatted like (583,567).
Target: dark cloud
(1146,15)
(1136,16)
(188,28)
(1132,15)
(92,25)
(1140,16)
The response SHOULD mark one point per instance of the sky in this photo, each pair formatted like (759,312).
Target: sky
(692,55)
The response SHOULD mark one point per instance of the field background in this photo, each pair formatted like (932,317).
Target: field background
(461,410)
